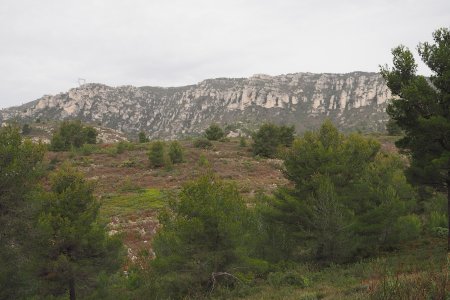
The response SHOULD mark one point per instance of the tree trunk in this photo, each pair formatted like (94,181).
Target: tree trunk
(72,289)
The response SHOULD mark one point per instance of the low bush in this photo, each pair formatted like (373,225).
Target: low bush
(156,154)
(129,163)
(202,143)
(123,146)
(214,132)
(269,137)
(72,134)
(242,142)
(175,152)
(408,227)
(278,279)
(143,137)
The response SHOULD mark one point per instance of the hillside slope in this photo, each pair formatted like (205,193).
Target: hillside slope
(353,101)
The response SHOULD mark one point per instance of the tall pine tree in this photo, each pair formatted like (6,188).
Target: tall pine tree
(72,249)
(19,171)
(422,110)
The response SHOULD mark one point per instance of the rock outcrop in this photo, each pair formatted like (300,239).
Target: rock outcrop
(354,101)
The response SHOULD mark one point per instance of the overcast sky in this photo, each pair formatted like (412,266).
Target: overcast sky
(45,46)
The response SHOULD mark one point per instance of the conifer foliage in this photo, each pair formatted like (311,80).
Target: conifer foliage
(422,110)
(72,134)
(348,198)
(20,162)
(214,132)
(175,152)
(270,137)
(142,137)
(73,249)
(200,240)
(156,154)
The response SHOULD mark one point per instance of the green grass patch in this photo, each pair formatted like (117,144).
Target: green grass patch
(130,203)
(417,268)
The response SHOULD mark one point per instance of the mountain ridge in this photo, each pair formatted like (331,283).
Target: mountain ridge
(354,101)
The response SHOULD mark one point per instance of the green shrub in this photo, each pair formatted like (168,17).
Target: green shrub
(392,128)
(202,143)
(437,219)
(129,185)
(129,163)
(408,227)
(72,134)
(175,152)
(439,232)
(87,149)
(156,154)
(123,146)
(90,134)
(203,234)
(348,199)
(168,164)
(214,132)
(269,137)
(120,148)
(286,135)
(111,151)
(242,142)
(436,211)
(26,129)
(143,137)
(54,161)
(203,161)
(278,279)
(428,285)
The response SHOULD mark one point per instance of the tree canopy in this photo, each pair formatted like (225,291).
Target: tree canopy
(214,132)
(20,162)
(73,249)
(270,137)
(201,239)
(348,197)
(72,134)
(422,110)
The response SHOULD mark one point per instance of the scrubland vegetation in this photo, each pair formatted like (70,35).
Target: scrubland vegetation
(322,215)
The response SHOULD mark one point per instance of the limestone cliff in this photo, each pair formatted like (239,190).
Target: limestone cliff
(353,101)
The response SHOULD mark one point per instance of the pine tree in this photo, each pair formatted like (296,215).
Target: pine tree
(422,111)
(214,132)
(26,129)
(175,152)
(200,239)
(72,247)
(266,140)
(142,137)
(156,154)
(19,170)
(270,137)
(347,196)
(286,135)
(72,134)
(90,135)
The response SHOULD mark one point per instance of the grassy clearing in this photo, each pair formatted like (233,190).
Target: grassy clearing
(418,269)
(129,203)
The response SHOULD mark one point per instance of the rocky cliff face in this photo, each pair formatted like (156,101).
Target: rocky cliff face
(354,101)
